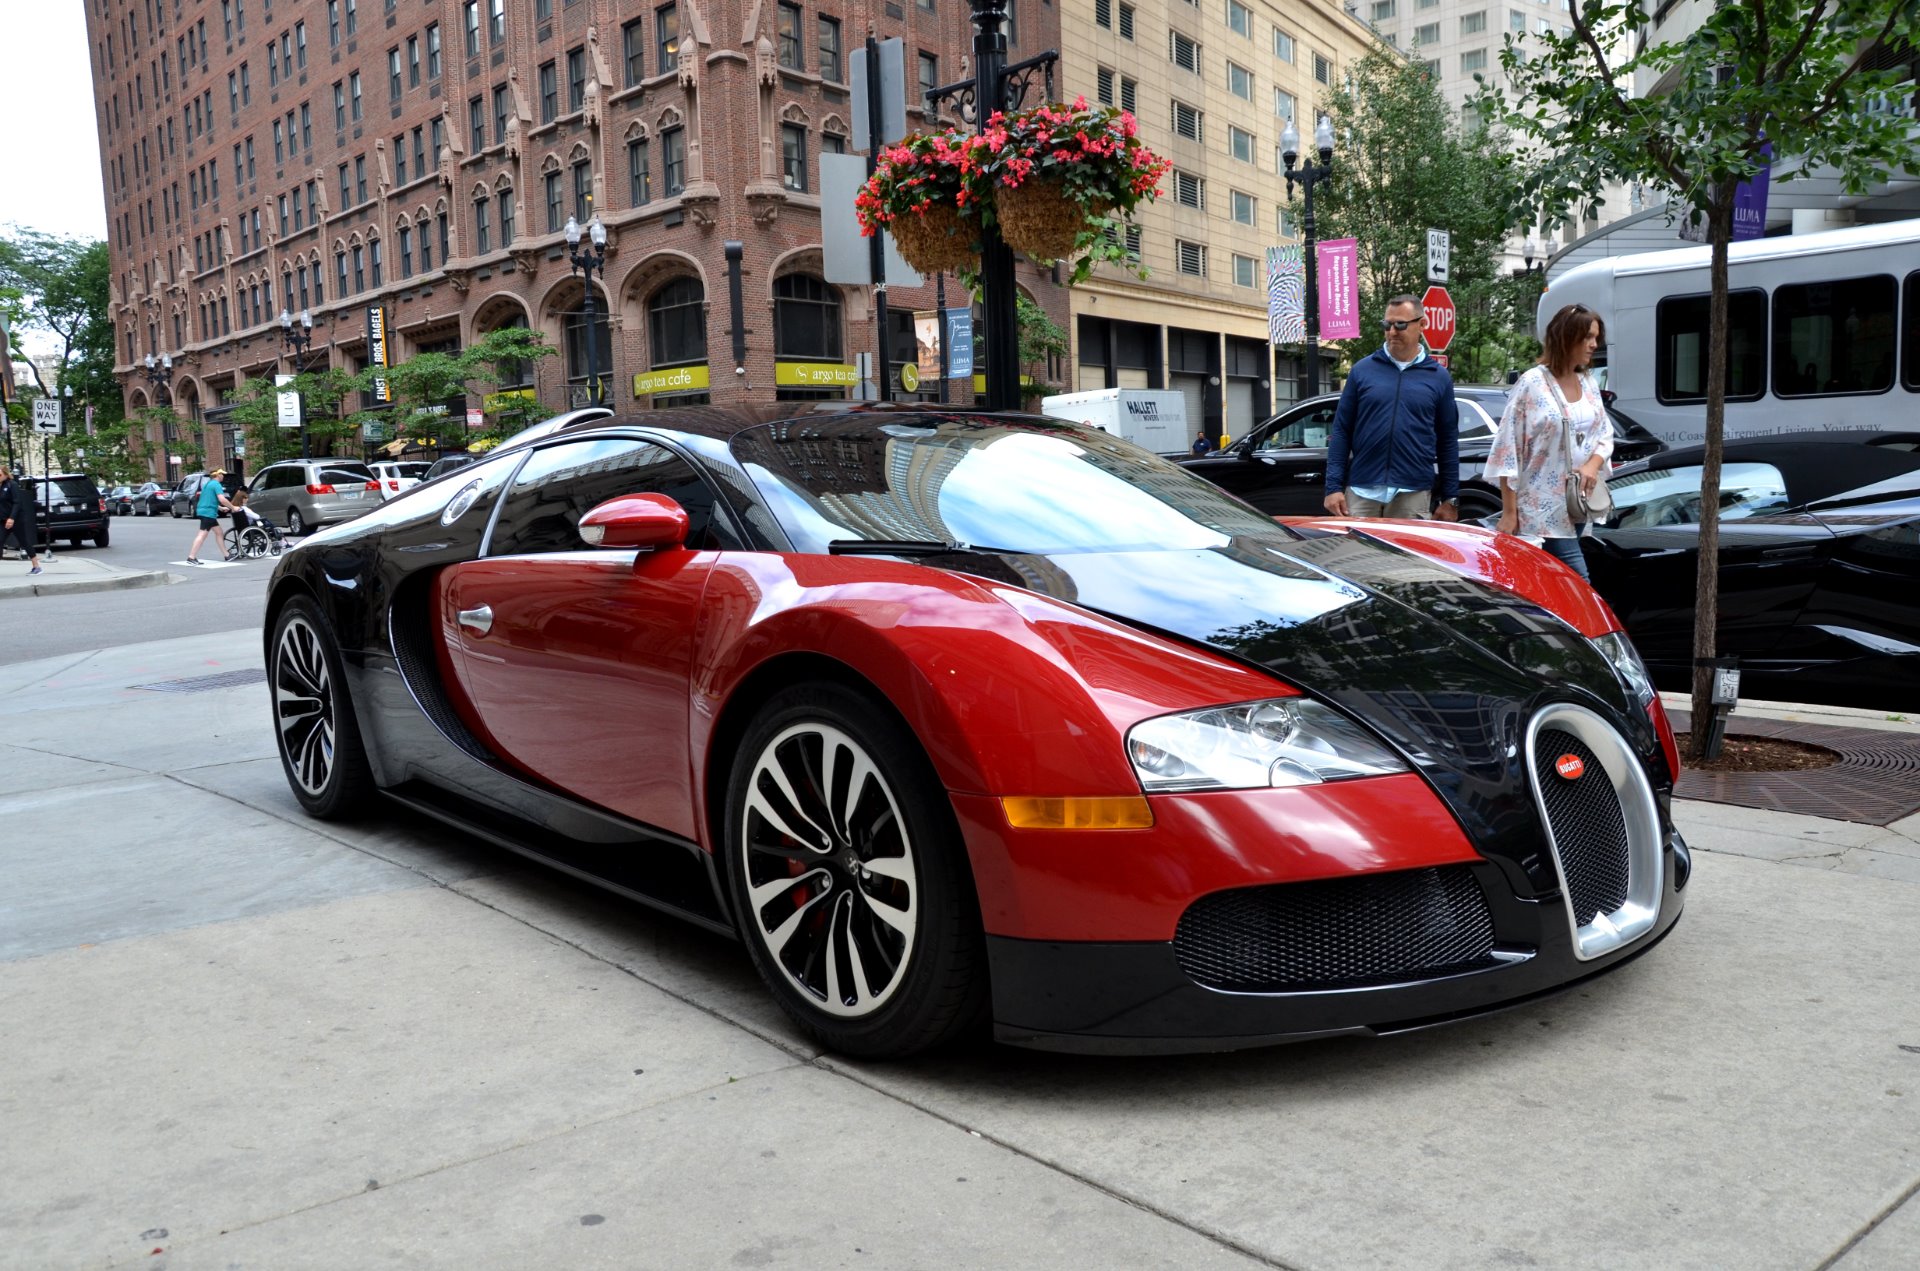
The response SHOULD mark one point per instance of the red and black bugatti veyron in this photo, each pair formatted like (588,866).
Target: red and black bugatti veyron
(956,717)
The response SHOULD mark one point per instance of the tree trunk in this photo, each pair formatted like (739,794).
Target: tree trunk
(1706,612)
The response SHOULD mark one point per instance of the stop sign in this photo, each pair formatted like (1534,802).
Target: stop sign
(1438,306)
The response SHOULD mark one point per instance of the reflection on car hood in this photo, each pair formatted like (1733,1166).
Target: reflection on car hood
(1447,668)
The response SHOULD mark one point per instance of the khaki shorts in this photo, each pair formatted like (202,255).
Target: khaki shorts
(1414,505)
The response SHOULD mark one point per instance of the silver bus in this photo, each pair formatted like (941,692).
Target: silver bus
(1824,332)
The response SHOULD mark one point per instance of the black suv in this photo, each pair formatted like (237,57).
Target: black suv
(69,505)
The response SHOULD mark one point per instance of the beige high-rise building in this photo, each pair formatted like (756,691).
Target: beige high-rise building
(1213,84)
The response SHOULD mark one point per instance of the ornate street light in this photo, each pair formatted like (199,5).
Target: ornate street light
(585,260)
(1309,175)
(159,374)
(298,336)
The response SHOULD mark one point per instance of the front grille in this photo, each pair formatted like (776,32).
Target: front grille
(1589,830)
(1338,933)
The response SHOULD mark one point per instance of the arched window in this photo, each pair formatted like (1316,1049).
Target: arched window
(806,328)
(677,327)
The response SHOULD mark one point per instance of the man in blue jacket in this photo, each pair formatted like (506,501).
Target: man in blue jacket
(1395,425)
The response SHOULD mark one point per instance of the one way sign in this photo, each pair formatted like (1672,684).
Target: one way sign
(46,415)
(1439,248)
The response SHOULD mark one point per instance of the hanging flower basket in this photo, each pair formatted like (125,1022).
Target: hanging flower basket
(1060,172)
(928,193)
(936,238)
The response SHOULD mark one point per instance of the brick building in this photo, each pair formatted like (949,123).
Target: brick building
(424,155)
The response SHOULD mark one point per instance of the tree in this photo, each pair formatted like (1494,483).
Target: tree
(1041,338)
(428,387)
(57,289)
(1754,83)
(1404,163)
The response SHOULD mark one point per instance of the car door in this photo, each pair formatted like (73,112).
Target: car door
(1645,560)
(576,661)
(1280,467)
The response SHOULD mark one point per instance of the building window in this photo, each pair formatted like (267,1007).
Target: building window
(576,80)
(555,204)
(413,61)
(830,50)
(929,71)
(1473,60)
(806,320)
(1473,23)
(477,123)
(406,251)
(583,192)
(1129,95)
(1286,224)
(633,47)
(677,324)
(832,143)
(433,50)
(549,93)
(505,200)
(1103,86)
(1191,258)
(1430,33)
(353,16)
(339,106)
(1283,104)
(1516,23)
(789,37)
(419,152)
(497,21)
(1246,271)
(1282,45)
(1189,190)
(1240,81)
(639,173)
(576,337)
(373,257)
(482,233)
(1184,53)
(1243,206)
(333,23)
(353,86)
(346,188)
(306,126)
(673,161)
(426,249)
(393,72)
(470,22)
(1126,22)
(793,157)
(666,37)
(359,269)
(1103,14)
(500,112)
(1383,10)
(1188,122)
(1240,144)
(1239,19)
(1322,69)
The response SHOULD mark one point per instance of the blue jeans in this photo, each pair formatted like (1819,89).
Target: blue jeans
(1568,550)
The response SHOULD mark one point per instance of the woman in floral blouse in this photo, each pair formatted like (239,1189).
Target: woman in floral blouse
(1529,457)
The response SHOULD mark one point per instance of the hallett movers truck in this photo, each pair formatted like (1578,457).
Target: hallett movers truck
(1153,419)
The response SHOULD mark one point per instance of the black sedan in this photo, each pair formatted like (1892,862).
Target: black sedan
(1281,466)
(150,498)
(1819,565)
(119,500)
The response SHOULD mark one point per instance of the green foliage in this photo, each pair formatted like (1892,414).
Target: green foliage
(1403,163)
(429,389)
(1040,336)
(56,289)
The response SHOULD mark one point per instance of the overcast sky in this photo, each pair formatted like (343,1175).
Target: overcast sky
(53,180)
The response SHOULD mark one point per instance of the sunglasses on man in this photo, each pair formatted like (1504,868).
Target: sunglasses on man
(1401,324)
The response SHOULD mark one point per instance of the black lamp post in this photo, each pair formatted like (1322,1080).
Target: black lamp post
(1530,249)
(1310,175)
(298,337)
(585,260)
(160,374)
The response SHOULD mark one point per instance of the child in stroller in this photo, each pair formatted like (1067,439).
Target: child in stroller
(252,535)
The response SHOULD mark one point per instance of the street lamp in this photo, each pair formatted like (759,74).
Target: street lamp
(585,261)
(1530,249)
(160,375)
(298,337)
(1309,175)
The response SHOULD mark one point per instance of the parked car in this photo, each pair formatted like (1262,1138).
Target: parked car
(119,500)
(447,463)
(186,492)
(151,499)
(395,476)
(1281,466)
(70,506)
(1152,771)
(306,494)
(1819,565)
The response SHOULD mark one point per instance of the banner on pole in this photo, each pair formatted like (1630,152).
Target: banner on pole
(1750,201)
(959,343)
(1286,296)
(1338,263)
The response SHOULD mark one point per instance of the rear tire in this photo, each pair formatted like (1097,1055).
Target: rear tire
(314,725)
(849,878)
(1475,507)
(103,537)
(296,526)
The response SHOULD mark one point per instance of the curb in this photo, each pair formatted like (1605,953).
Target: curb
(74,586)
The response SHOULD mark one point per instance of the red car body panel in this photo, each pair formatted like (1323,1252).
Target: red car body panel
(1509,563)
(1135,884)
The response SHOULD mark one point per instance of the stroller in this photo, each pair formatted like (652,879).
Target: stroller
(253,536)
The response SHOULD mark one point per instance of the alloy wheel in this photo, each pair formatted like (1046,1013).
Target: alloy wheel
(832,888)
(303,705)
(296,526)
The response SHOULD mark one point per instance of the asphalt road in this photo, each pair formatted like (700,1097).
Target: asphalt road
(202,600)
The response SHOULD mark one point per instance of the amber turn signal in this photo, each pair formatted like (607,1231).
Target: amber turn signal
(1124,812)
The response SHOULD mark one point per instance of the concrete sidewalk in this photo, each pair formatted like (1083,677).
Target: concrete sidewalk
(67,572)
(234,1037)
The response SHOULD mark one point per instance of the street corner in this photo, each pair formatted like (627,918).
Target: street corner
(70,573)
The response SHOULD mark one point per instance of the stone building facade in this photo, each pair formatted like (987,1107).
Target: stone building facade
(422,156)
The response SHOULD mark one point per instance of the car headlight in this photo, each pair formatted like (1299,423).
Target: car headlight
(1278,742)
(1625,659)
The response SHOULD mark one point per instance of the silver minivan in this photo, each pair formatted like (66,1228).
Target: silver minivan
(306,494)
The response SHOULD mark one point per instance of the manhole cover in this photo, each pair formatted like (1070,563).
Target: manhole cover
(207,683)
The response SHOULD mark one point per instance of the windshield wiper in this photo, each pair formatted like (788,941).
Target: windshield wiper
(907,547)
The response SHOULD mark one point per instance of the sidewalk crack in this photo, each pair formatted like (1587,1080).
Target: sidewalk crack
(1913,1189)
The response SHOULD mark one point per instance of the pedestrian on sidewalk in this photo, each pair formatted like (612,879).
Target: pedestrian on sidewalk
(1554,408)
(16,517)
(211,503)
(1396,426)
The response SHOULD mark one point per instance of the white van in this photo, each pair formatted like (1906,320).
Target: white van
(1823,335)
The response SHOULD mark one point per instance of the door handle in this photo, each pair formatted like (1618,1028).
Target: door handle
(479,621)
(1309,476)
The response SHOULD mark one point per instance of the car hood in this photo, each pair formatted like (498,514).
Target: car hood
(1447,668)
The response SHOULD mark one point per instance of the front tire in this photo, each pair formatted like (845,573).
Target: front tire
(849,877)
(314,724)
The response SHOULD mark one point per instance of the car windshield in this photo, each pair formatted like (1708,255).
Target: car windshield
(1021,485)
(68,490)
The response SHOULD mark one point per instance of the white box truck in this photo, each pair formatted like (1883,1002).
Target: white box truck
(1153,419)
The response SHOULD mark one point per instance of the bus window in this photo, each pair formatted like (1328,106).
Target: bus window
(1680,347)
(1834,338)
(1910,358)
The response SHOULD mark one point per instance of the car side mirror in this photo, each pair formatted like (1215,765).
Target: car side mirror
(650,522)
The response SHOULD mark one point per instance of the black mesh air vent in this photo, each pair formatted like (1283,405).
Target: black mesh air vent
(1338,933)
(1589,831)
(413,652)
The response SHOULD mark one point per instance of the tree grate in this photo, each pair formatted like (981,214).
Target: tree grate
(207,683)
